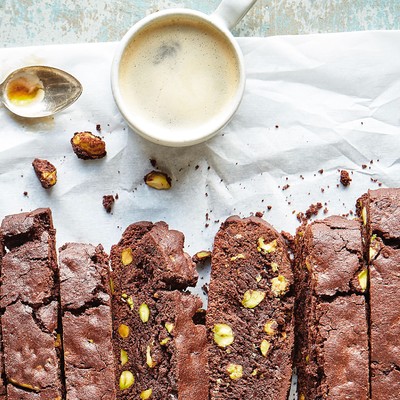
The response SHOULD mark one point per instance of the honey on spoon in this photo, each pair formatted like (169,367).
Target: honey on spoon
(39,91)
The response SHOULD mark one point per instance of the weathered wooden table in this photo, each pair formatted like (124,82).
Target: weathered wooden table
(31,22)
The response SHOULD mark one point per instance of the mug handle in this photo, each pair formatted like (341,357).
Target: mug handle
(230,12)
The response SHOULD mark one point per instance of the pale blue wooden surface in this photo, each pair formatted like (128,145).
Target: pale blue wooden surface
(30,22)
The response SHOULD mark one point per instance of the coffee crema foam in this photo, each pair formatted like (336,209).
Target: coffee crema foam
(178,74)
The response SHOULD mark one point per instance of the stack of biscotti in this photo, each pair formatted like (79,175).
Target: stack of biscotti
(56,333)
(332,357)
(160,352)
(250,312)
(380,213)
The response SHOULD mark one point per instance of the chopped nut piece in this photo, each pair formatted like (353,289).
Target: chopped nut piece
(112,289)
(252,298)
(364,216)
(363,279)
(274,267)
(123,357)
(149,361)
(158,180)
(129,301)
(165,341)
(88,146)
(123,331)
(201,256)
(254,372)
(373,248)
(258,278)
(223,335)
(169,326)
(265,248)
(126,380)
(264,347)
(126,256)
(270,327)
(144,312)
(25,385)
(308,264)
(237,257)
(235,371)
(302,397)
(279,285)
(146,394)
(57,342)
(46,172)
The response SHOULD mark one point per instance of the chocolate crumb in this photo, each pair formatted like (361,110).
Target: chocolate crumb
(108,201)
(153,162)
(285,187)
(25,194)
(269,208)
(345,178)
(321,171)
(364,166)
(98,128)
(46,172)
(259,214)
(205,288)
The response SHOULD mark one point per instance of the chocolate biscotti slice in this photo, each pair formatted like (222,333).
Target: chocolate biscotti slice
(29,297)
(250,312)
(380,213)
(87,322)
(2,383)
(332,350)
(161,352)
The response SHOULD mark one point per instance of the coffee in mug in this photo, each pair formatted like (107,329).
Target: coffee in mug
(178,74)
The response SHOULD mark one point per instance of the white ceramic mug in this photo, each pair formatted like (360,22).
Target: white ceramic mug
(178,75)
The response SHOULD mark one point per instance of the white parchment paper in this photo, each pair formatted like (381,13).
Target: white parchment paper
(312,103)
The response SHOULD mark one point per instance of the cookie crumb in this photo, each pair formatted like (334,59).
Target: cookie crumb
(108,202)
(345,178)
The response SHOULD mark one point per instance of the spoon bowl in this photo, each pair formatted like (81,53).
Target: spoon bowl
(39,91)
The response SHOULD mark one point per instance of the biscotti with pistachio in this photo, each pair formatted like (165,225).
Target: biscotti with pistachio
(250,312)
(332,350)
(29,296)
(380,215)
(161,353)
(87,322)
